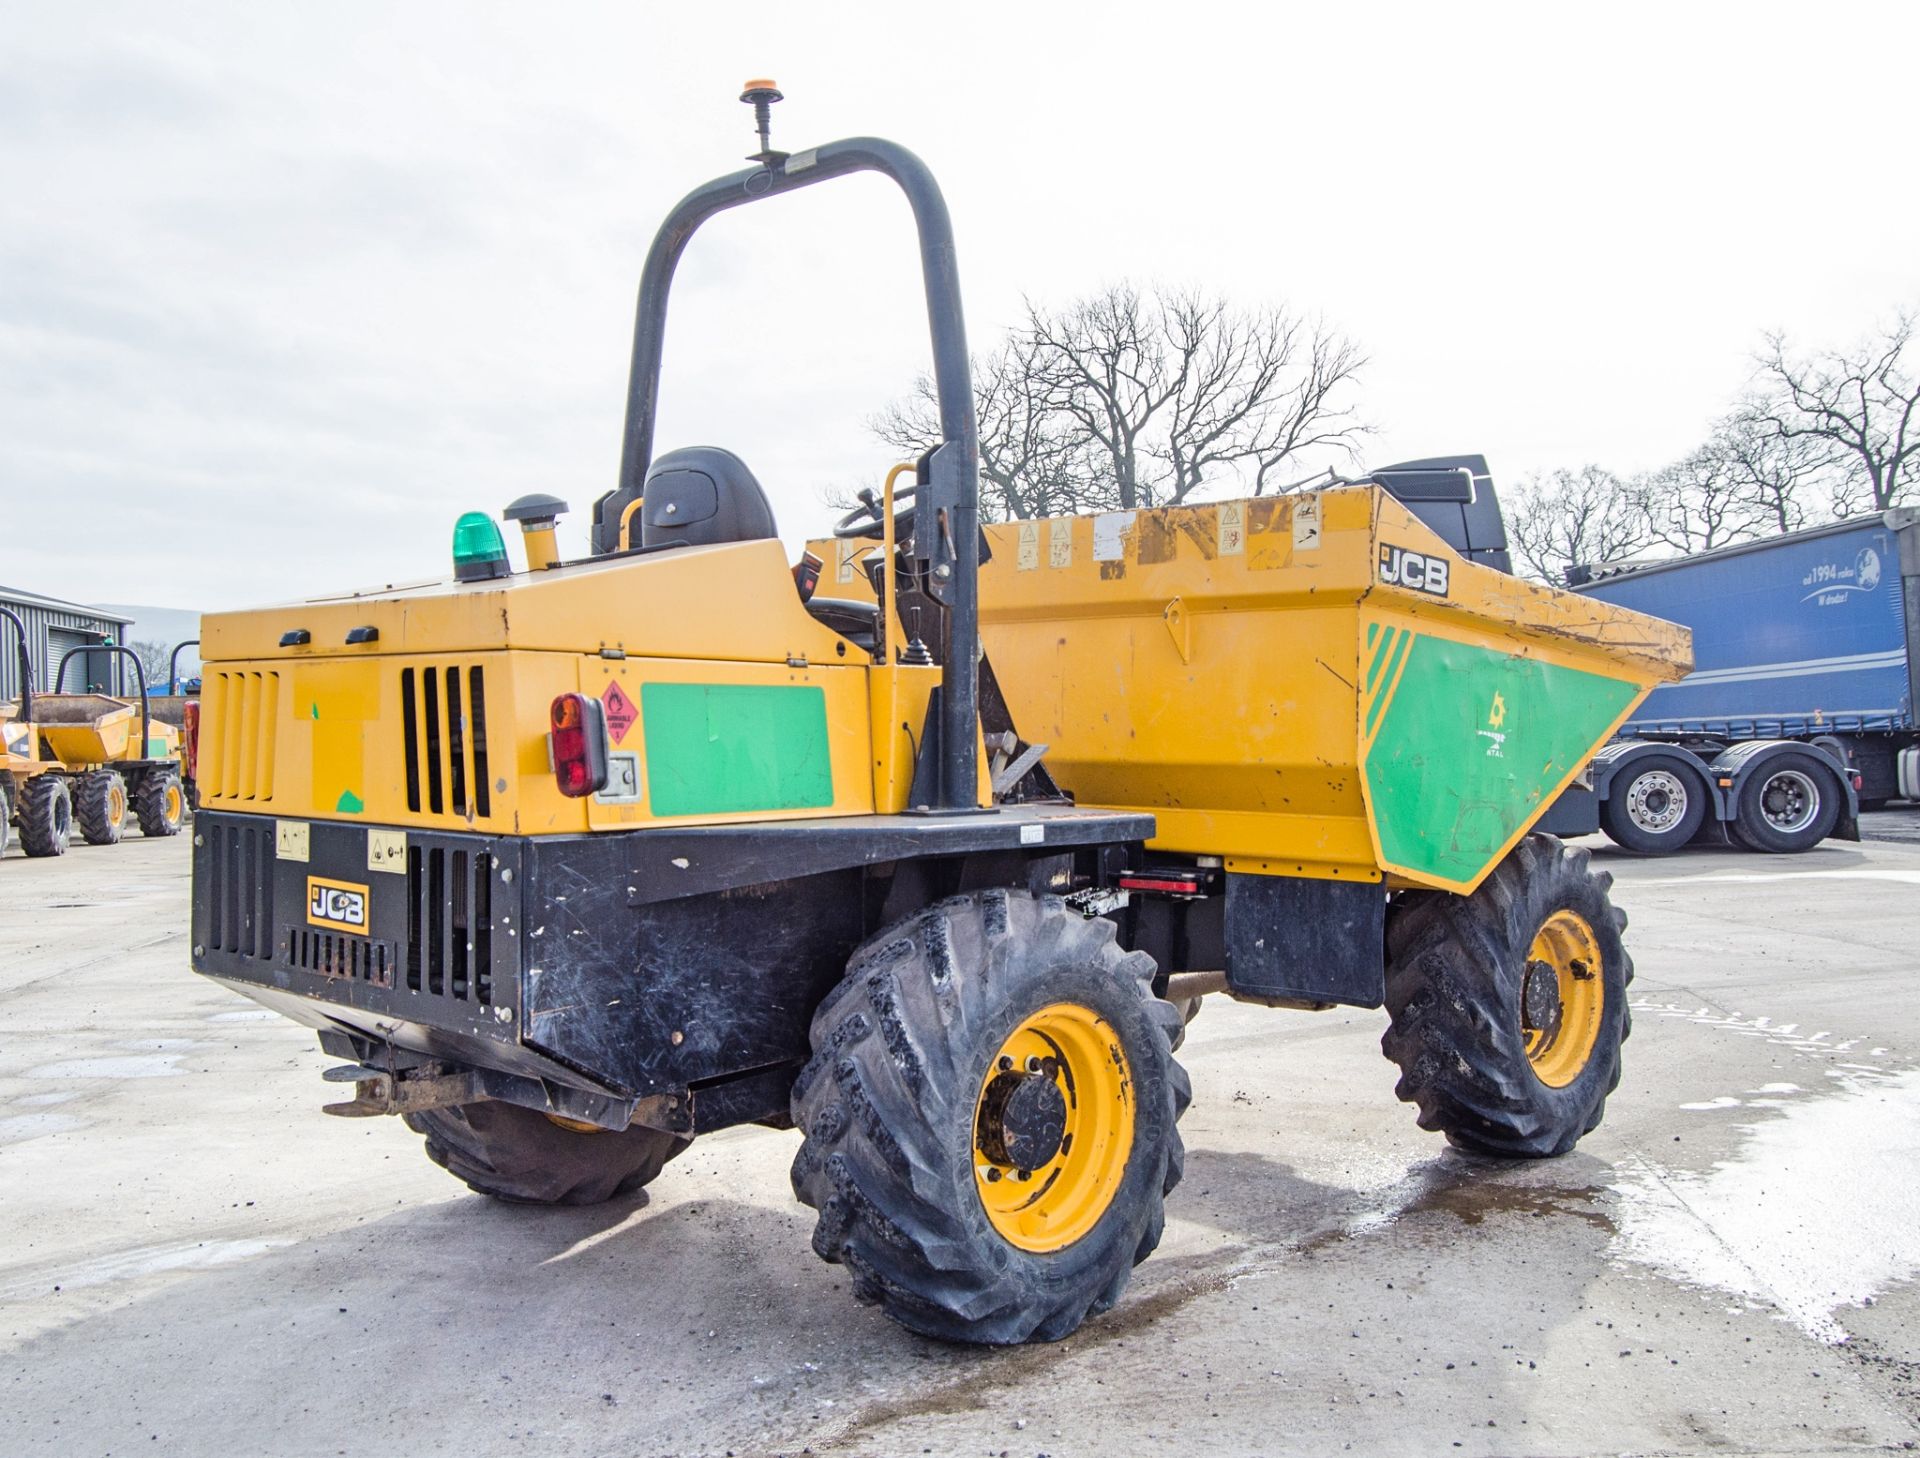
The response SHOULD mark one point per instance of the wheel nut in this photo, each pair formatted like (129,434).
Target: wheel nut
(1033,1063)
(1006,1064)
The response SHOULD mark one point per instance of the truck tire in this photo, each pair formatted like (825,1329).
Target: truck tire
(6,812)
(1655,806)
(991,1045)
(100,806)
(1509,1006)
(46,816)
(1788,804)
(160,803)
(525,1158)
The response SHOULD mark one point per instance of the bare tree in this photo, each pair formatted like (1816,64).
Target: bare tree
(1568,517)
(1698,503)
(1032,461)
(1863,404)
(1127,400)
(154,658)
(1790,481)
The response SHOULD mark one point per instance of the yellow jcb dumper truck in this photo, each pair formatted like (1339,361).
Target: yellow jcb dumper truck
(573,864)
(85,760)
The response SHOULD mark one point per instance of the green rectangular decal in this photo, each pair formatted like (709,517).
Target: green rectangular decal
(722,748)
(1470,741)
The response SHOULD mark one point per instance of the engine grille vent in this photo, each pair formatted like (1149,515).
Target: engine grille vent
(335,954)
(450,933)
(240,906)
(238,722)
(443,714)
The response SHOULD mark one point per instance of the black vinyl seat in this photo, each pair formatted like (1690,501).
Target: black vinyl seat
(702,496)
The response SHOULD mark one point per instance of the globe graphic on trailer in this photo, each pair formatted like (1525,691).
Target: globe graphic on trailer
(1866,569)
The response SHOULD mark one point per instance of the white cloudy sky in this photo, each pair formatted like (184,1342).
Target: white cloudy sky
(283,289)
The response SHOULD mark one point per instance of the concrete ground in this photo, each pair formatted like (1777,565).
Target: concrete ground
(194,1261)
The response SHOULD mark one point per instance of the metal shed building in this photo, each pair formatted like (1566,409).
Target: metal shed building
(53,629)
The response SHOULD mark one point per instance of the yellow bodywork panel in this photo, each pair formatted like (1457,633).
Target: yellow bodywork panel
(724,701)
(1300,685)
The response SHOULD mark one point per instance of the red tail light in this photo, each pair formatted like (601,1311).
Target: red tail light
(577,743)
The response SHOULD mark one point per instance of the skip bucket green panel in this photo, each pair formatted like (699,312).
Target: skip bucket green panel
(1469,747)
(719,748)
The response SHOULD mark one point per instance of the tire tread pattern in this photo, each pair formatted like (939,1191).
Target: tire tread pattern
(523,1157)
(893,1070)
(1455,970)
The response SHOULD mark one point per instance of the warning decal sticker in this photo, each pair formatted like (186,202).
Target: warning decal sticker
(620,712)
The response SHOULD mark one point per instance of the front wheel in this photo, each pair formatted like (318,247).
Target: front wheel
(160,803)
(100,806)
(990,1119)
(1509,1006)
(526,1157)
(1656,807)
(46,816)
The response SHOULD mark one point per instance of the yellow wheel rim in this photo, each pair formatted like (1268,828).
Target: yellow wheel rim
(1058,1093)
(116,804)
(1564,998)
(176,804)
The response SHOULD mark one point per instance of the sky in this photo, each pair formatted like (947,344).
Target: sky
(283,290)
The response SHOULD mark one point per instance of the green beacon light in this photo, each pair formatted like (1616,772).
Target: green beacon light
(478,551)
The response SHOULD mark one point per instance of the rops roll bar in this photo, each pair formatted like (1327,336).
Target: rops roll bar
(947,512)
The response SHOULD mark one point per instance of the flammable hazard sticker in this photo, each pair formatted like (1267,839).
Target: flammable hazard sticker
(620,711)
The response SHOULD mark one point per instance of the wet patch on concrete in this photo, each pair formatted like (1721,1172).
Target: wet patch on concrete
(1813,1214)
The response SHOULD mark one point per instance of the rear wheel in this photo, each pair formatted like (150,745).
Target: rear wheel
(1509,1006)
(1656,806)
(46,816)
(100,806)
(160,803)
(528,1158)
(990,1119)
(1789,804)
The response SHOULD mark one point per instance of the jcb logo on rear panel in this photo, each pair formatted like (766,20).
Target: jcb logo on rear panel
(1401,568)
(341,905)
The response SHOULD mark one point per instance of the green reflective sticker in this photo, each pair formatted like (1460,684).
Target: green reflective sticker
(349,803)
(722,748)
(1469,746)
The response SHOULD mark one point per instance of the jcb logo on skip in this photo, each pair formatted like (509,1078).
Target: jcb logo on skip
(1416,570)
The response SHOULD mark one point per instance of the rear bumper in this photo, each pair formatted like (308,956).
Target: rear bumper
(666,976)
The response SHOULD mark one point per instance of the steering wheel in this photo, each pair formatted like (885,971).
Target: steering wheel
(867,520)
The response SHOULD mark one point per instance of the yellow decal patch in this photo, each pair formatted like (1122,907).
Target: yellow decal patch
(339,905)
(290,839)
(387,851)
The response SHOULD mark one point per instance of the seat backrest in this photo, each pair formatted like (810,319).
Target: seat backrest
(702,495)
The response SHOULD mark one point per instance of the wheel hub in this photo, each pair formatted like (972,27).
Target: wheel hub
(1023,1118)
(1657,802)
(1053,1127)
(1562,998)
(1540,1005)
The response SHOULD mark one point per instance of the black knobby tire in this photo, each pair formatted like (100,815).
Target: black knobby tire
(1787,777)
(160,803)
(521,1156)
(902,1050)
(1455,977)
(1655,806)
(100,806)
(46,816)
